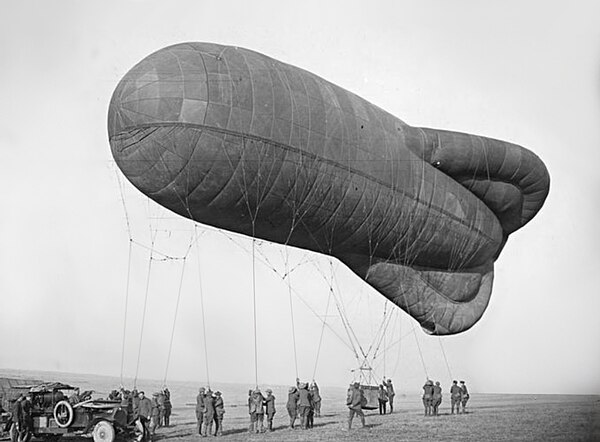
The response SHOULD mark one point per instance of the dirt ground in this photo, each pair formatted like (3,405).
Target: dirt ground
(489,418)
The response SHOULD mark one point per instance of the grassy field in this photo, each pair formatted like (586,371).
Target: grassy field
(490,417)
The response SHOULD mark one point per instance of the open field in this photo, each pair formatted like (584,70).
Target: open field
(490,417)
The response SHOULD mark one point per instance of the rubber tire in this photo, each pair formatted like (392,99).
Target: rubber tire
(103,432)
(70,410)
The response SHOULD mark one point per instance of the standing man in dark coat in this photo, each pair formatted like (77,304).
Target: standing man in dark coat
(145,410)
(200,409)
(168,406)
(455,396)
(382,399)
(356,400)
(391,393)
(219,413)
(437,397)
(160,399)
(464,396)
(305,404)
(292,405)
(270,406)
(209,412)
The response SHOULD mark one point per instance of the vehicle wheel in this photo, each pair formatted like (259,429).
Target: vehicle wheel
(103,432)
(63,414)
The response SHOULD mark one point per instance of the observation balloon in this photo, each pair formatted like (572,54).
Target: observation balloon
(237,140)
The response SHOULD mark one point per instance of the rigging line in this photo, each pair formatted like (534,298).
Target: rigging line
(289,284)
(445,358)
(344,317)
(156,252)
(175,319)
(126,307)
(137,367)
(307,305)
(321,337)
(124,206)
(399,345)
(254,305)
(202,308)
(420,352)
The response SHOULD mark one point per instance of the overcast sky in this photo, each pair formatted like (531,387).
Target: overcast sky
(525,72)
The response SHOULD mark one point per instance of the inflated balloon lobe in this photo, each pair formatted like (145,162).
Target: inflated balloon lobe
(237,140)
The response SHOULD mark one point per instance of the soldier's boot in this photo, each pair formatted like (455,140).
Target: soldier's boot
(362,421)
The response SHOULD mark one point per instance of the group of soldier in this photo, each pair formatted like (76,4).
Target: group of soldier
(386,394)
(303,403)
(152,413)
(210,410)
(432,397)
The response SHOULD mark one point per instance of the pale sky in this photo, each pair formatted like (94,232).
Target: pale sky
(524,72)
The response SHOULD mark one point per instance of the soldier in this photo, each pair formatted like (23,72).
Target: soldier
(316,394)
(251,412)
(155,414)
(391,393)
(200,409)
(464,396)
(292,405)
(382,398)
(428,397)
(145,410)
(355,401)
(258,409)
(219,413)
(160,399)
(437,397)
(17,415)
(168,406)
(209,412)
(270,405)
(305,404)
(455,396)
(135,404)
(126,403)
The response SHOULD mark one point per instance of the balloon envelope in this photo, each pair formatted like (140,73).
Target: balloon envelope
(232,138)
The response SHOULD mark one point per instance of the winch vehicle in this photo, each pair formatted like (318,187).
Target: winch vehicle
(60,409)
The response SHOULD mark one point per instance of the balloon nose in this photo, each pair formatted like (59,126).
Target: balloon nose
(169,86)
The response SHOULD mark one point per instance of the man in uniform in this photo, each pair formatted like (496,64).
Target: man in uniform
(209,412)
(154,414)
(316,394)
(391,393)
(428,397)
(258,411)
(305,404)
(270,405)
(168,406)
(145,410)
(160,399)
(135,403)
(292,405)
(437,397)
(356,400)
(200,409)
(455,396)
(219,413)
(464,396)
